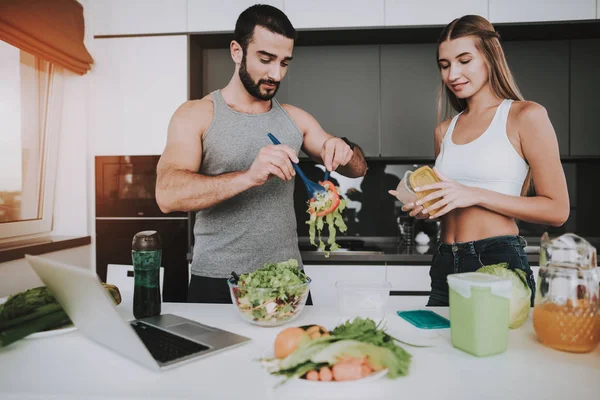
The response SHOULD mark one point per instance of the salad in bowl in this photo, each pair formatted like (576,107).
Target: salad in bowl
(272,295)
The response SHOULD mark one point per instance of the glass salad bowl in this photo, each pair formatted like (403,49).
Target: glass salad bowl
(269,306)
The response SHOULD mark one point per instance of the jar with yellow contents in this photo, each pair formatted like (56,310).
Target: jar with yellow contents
(566,315)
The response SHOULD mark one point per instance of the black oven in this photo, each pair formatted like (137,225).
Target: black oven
(125,187)
(126,204)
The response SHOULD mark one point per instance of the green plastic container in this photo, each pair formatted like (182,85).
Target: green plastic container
(479,312)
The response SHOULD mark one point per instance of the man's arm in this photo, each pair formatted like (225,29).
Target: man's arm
(324,148)
(179,186)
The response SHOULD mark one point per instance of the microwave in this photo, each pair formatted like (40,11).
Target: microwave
(125,188)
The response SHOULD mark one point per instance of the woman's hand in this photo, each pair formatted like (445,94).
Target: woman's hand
(415,211)
(408,199)
(449,195)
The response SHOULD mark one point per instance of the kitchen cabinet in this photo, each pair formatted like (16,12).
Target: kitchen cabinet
(410,82)
(541,70)
(411,279)
(339,86)
(136,85)
(541,10)
(113,246)
(432,12)
(123,17)
(404,279)
(219,16)
(585,105)
(334,13)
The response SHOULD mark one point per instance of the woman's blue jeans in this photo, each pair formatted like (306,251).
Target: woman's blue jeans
(470,256)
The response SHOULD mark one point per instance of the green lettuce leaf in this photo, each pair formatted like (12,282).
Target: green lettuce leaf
(520,302)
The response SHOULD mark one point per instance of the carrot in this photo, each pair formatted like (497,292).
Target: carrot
(325,374)
(312,375)
(365,370)
(346,371)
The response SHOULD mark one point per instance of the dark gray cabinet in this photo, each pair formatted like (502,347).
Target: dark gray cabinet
(339,86)
(410,82)
(541,70)
(385,97)
(585,97)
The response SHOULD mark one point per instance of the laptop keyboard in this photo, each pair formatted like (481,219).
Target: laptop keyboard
(165,346)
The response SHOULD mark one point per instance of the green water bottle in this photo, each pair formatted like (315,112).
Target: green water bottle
(146,253)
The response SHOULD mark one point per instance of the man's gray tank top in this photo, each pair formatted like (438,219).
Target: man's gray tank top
(257,226)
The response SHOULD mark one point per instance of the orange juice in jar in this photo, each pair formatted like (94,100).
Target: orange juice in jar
(566,315)
(572,327)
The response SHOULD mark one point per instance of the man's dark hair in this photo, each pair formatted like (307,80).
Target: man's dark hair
(263,15)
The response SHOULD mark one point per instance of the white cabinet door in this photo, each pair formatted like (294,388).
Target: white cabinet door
(121,17)
(431,12)
(137,84)
(219,16)
(541,10)
(597,8)
(334,13)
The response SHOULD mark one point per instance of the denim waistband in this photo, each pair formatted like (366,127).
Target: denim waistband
(479,246)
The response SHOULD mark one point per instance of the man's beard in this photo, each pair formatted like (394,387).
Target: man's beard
(254,87)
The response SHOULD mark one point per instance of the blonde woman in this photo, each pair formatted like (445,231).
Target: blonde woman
(487,157)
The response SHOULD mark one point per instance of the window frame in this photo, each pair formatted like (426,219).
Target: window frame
(49,134)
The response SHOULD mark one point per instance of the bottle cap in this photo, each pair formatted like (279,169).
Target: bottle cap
(146,241)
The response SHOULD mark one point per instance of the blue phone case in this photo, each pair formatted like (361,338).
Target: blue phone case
(425,319)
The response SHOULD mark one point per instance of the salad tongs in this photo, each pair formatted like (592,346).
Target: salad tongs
(312,188)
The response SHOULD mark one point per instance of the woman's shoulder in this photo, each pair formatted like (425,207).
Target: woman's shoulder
(442,128)
(528,111)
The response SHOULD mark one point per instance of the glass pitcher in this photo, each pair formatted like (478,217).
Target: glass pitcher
(566,315)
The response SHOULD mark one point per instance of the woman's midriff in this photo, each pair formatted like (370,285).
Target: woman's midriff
(475,223)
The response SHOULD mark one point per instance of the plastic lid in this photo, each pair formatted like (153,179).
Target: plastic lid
(146,241)
(423,176)
(462,283)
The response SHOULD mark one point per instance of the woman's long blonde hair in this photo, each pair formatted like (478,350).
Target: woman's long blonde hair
(500,78)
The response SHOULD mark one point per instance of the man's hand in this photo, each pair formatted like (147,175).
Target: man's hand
(335,153)
(273,160)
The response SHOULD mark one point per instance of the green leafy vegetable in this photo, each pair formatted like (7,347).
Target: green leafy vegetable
(333,218)
(272,293)
(520,302)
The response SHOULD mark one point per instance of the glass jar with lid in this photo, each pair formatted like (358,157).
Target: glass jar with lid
(566,315)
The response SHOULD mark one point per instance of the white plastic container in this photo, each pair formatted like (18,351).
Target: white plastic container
(404,192)
(479,312)
(362,299)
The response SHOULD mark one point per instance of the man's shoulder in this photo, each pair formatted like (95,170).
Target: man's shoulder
(195,111)
(198,106)
(194,115)
(290,109)
(298,115)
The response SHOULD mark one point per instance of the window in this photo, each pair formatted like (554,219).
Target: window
(30,111)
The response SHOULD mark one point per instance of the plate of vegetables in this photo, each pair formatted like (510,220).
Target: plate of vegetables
(354,352)
(35,313)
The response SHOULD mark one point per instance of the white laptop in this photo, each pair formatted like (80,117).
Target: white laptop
(159,343)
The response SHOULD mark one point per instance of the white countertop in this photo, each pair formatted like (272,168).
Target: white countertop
(70,366)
